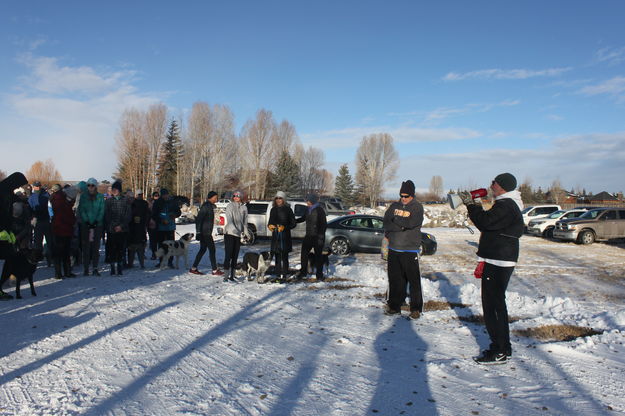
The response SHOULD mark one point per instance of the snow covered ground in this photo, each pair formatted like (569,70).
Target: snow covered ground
(173,343)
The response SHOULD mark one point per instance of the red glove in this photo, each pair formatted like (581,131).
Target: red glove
(479,270)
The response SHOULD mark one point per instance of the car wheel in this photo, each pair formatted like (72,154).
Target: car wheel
(340,246)
(250,241)
(548,233)
(586,237)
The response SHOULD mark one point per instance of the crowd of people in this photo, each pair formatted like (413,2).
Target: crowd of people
(74,220)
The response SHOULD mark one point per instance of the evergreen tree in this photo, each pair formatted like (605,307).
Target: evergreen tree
(285,177)
(344,185)
(170,154)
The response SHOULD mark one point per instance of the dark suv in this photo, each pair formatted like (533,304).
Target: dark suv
(596,224)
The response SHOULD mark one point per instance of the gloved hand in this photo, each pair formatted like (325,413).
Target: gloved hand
(466,198)
(271,227)
(280,228)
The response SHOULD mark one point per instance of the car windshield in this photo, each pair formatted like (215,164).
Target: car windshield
(592,214)
(526,210)
(557,214)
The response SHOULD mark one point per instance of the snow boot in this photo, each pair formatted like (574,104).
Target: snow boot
(113,273)
(119,269)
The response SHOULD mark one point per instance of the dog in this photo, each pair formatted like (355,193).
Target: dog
(23,266)
(257,263)
(311,261)
(178,248)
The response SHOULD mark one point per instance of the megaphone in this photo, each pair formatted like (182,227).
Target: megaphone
(455,201)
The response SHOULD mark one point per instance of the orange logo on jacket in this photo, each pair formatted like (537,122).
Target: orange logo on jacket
(402,213)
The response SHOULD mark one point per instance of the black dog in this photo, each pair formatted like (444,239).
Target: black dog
(23,266)
(311,261)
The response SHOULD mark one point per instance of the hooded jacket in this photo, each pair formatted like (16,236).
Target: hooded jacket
(501,227)
(236,219)
(205,219)
(91,209)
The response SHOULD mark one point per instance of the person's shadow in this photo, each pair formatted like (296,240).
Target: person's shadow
(402,385)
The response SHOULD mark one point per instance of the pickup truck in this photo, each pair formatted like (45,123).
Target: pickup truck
(596,224)
(258,217)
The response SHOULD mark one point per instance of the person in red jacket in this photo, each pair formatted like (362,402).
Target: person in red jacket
(63,221)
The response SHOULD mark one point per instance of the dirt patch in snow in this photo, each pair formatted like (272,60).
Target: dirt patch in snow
(557,332)
(479,319)
(333,287)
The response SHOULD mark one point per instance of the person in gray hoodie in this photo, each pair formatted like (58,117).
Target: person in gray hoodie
(236,227)
(402,226)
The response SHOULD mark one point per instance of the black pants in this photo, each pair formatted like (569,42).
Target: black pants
(282,263)
(403,270)
(206,242)
(43,229)
(494,284)
(90,246)
(116,245)
(61,255)
(153,234)
(232,245)
(312,243)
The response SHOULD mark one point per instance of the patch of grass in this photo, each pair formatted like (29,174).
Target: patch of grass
(333,287)
(338,279)
(439,305)
(557,332)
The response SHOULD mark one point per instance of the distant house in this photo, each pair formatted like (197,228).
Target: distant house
(604,197)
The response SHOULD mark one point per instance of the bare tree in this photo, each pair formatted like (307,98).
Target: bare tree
(44,172)
(256,149)
(132,150)
(376,164)
(154,130)
(285,138)
(558,195)
(311,172)
(436,186)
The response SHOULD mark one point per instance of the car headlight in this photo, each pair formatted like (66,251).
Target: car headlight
(571,227)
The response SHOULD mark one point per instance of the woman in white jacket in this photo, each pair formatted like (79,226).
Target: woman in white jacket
(236,226)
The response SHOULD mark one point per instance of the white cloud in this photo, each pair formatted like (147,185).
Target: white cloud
(505,74)
(611,55)
(614,87)
(67,113)
(445,112)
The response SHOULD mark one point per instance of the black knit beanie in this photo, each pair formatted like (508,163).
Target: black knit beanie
(211,194)
(117,185)
(407,188)
(507,181)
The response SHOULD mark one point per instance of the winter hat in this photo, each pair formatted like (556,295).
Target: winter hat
(164,191)
(407,188)
(117,185)
(507,181)
(312,198)
(211,194)
(71,192)
(237,193)
(37,183)
(281,194)
(92,181)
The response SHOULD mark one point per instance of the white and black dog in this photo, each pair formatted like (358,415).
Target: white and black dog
(257,263)
(171,248)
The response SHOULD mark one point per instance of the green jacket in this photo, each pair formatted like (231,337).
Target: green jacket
(91,211)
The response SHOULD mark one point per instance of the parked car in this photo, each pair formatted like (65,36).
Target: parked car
(538,211)
(596,224)
(364,233)
(222,203)
(544,226)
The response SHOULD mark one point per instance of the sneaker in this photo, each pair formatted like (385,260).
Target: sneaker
(489,357)
(414,315)
(217,273)
(388,311)
(196,271)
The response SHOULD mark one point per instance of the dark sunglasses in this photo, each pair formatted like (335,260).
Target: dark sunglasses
(90,186)
(404,196)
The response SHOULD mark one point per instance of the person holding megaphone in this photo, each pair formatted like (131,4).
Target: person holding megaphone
(501,227)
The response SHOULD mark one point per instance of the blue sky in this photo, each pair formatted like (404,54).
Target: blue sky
(467,89)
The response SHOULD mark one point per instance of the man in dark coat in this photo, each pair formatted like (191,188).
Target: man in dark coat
(204,234)
(501,227)
(137,229)
(281,222)
(402,226)
(38,201)
(316,225)
(8,240)
(164,213)
(117,217)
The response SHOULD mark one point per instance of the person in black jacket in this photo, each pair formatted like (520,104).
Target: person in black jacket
(204,233)
(402,226)
(165,210)
(498,251)
(316,225)
(137,229)
(281,222)
(8,240)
